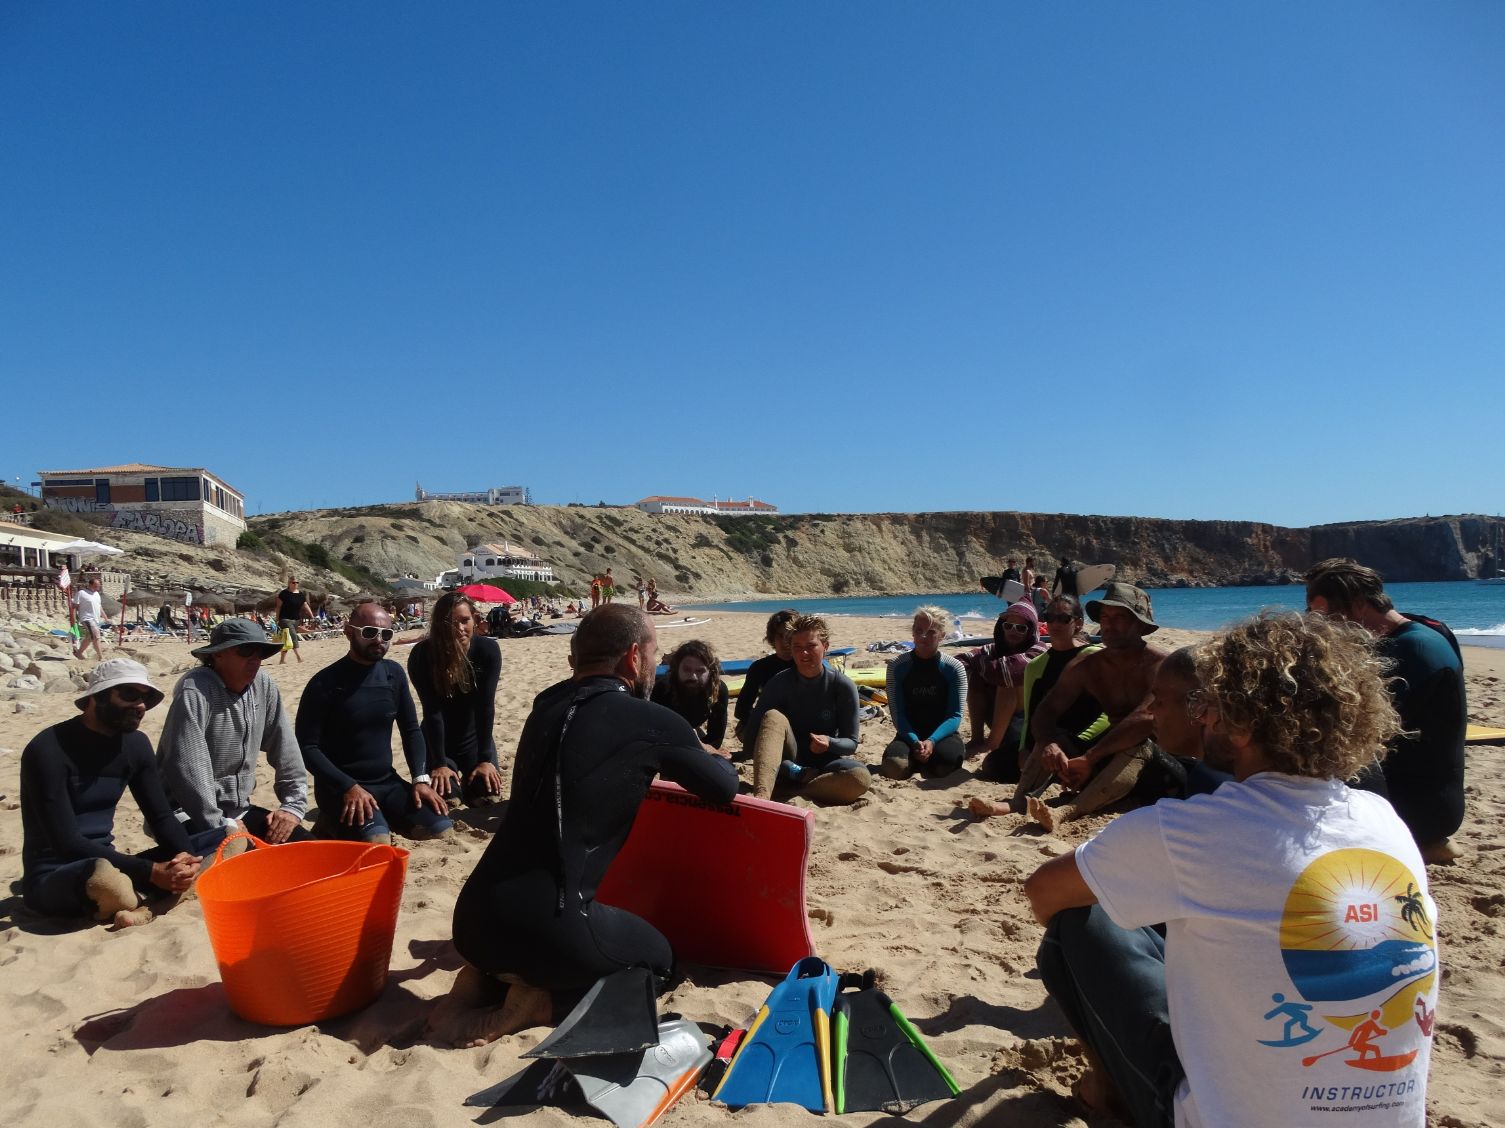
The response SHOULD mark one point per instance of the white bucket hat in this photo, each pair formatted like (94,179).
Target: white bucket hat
(120,671)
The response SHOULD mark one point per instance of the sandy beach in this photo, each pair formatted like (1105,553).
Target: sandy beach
(132,1028)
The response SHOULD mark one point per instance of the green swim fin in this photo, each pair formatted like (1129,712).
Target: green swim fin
(882,1064)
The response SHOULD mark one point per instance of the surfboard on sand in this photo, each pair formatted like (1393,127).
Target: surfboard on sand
(725,885)
(1009,590)
(1483,734)
(687,621)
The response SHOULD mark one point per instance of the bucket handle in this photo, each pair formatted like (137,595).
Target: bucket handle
(363,861)
(256,842)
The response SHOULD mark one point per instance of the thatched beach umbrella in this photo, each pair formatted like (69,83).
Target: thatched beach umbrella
(212,600)
(250,599)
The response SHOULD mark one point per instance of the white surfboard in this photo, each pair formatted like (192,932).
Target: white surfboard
(687,621)
(1093,576)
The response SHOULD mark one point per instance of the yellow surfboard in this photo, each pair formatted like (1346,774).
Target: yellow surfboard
(1482,734)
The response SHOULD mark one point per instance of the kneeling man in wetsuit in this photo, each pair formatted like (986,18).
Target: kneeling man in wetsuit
(527,922)
(804,729)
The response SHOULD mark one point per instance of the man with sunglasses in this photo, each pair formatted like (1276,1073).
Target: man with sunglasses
(1118,677)
(222,715)
(72,778)
(344,727)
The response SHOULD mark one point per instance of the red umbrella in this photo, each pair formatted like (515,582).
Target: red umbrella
(485,593)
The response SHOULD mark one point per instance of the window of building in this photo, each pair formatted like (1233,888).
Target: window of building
(153,490)
(180,489)
(102,491)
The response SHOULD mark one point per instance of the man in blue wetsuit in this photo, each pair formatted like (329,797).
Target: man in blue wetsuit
(1423,766)
(72,778)
(527,921)
(804,730)
(344,727)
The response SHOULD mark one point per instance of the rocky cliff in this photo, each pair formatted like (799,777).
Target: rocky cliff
(712,557)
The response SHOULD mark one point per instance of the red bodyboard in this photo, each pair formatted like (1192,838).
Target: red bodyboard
(724,884)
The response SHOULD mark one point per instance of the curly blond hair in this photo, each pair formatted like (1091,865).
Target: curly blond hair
(1309,690)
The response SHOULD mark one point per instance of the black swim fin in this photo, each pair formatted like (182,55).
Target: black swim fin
(882,1064)
(619,1014)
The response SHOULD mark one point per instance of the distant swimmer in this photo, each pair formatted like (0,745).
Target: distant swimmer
(527,923)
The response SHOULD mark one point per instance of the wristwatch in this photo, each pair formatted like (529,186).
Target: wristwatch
(424,778)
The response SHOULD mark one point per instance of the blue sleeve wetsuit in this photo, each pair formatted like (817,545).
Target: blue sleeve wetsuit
(72,780)
(588,752)
(925,697)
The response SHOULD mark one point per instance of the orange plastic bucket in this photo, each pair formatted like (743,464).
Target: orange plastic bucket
(303,931)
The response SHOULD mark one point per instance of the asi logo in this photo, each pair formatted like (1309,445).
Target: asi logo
(1358,941)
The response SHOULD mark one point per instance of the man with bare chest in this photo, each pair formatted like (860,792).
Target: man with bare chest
(1119,677)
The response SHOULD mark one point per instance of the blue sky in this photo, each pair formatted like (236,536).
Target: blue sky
(1175,260)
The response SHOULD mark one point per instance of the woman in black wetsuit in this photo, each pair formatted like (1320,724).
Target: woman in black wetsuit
(455,671)
(527,916)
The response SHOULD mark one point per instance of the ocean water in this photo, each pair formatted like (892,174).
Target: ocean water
(1475,611)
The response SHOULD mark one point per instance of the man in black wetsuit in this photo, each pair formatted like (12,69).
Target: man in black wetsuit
(344,727)
(1423,766)
(527,921)
(804,730)
(762,671)
(72,778)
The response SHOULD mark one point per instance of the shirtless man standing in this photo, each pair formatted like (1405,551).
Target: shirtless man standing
(1119,677)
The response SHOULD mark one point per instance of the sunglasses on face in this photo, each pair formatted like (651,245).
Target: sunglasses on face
(1059,620)
(384,633)
(250,650)
(131,695)
(1016,626)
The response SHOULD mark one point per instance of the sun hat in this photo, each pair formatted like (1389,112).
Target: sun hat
(236,632)
(1130,598)
(120,671)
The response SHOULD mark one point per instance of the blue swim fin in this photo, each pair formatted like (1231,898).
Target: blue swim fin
(786,1055)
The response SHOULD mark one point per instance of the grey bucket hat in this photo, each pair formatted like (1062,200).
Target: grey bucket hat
(1132,599)
(120,671)
(236,632)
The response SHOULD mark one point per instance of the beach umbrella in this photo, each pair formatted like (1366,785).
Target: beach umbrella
(250,599)
(212,600)
(486,593)
(87,550)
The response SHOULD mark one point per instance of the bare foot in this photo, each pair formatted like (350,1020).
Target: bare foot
(1095,1091)
(1041,813)
(129,918)
(1440,853)
(984,808)
(468,1016)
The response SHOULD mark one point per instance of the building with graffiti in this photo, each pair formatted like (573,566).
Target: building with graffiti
(181,503)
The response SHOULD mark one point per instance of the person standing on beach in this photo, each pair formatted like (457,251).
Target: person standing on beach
(292,608)
(222,714)
(1065,579)
(1424,762)
(344,727)
(89,606)
(526,922)
(1231,960)
(1027,577)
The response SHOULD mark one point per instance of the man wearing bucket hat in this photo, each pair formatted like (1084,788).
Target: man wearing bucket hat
(222,714)
(344,727)
(72,777)
(1119,677)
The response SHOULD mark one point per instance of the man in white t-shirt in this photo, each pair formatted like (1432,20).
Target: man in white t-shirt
(1266,954)
(88,606)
